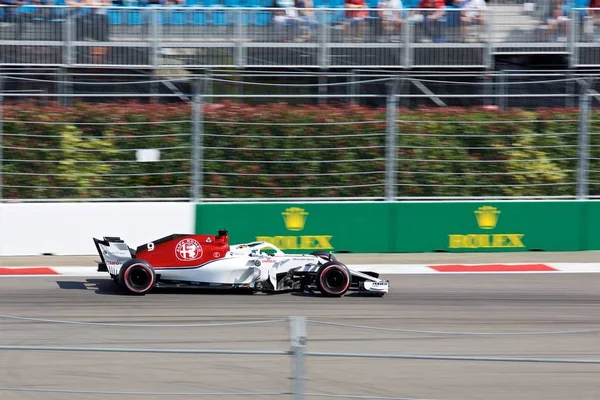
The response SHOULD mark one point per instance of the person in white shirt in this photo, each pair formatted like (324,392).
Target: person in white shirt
(472,16)
(287,20)
(390,14)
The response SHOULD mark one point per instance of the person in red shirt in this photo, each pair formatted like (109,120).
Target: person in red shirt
(356,14)
(432,20)
(595,17)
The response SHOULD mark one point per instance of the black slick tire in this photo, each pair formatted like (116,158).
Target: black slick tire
(333,279)
(137,277)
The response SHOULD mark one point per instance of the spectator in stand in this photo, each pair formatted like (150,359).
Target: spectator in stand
(592,19)
(92,23)
(12,15)
(161,3)
(557,21)
(432,20)
(308,20)
(471,19)
(356,17)
(390,15)
(148,15)
(287,20)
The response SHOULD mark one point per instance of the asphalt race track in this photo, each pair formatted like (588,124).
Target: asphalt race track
(557,316)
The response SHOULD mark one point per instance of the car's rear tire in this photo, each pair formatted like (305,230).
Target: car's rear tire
(137,277)
(333,279)
(325,255)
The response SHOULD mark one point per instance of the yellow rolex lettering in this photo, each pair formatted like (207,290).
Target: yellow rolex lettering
(291,242)
(466,241)
(482,241)
(267,239)
(499,241)
(324,242)
(307,242)
(455,241)
(471,241)
(515,240)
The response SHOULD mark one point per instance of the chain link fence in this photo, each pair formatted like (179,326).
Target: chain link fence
(223,137)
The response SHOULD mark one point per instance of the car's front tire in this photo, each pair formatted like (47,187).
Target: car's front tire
(137,277)
(333,279)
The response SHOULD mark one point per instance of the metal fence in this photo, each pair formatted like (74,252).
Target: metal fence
(357,137)
(245,37)
(299,353)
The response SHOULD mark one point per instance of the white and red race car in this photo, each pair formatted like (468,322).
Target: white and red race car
(209,261)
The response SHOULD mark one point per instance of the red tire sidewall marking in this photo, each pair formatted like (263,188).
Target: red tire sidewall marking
(341,269)
(126,275)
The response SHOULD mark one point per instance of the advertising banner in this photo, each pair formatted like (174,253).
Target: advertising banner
(303,227)
(409,227)
(489,226)
(591,225)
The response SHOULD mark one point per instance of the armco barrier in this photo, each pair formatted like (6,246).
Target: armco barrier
(404,227)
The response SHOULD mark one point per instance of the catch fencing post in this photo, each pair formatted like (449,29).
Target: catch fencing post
(502,89)
(197,141)
(68,37)
(573,33)
(582,170)
(155,35)
(352,87)
(298,338)
(390,163)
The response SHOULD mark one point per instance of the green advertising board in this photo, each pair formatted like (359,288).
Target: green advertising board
(409,227)
(489,226)
(591,225)
(303,227)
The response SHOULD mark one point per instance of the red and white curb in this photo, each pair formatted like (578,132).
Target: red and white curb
(492,268)
(388,269)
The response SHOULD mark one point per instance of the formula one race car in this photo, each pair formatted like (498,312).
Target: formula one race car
(208,261)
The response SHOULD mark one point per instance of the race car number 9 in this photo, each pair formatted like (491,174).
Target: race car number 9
(150,246)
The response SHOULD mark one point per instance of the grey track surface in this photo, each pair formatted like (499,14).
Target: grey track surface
(476,303)
(384,258)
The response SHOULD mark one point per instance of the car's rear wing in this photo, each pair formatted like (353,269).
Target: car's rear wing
(114,252)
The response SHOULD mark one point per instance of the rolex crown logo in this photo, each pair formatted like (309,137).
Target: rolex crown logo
(487,217)
(294,218)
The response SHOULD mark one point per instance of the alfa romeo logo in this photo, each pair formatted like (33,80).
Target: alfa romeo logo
(188,250)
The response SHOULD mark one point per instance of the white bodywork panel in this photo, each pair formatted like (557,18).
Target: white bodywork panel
(244,264)
(115,255)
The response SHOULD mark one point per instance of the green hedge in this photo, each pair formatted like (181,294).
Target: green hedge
(72,153)
(441,152)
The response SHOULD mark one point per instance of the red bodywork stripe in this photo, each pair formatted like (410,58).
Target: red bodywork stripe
(28,271)
(493,268)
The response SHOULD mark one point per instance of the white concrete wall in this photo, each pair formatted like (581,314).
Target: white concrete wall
(68,228)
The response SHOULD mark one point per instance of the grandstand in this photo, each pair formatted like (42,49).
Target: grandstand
(57,48)
(245,34)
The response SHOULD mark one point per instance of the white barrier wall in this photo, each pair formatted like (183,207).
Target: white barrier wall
(68,228)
